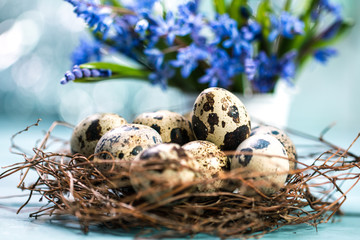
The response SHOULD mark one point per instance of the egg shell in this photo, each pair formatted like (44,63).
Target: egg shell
(87,133)
(282,137)
(212,162)
(250,156)
(162,168)
(172,126)
(124,143)
(188,115)
(220,117)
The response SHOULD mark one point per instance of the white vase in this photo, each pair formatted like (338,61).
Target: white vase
(269,108)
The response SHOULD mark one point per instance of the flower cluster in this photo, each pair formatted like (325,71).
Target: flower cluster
(80,73)
(239,49)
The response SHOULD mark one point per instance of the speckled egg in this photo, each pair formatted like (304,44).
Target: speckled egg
(172,126)
(220,117)
(162,168)
(273,168)
(124,143)
(282,137)
(88,132)
(212,162)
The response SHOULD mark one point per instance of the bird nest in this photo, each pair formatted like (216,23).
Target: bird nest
(73,186)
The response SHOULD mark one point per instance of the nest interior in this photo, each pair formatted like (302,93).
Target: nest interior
(74,186)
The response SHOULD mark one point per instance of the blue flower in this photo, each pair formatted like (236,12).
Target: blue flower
(287,66)
(188,15)
(161,75)
(162,71)
(141,27)
(323,54)
(155,57)
(239,45)
(77,73)
(328,6)
(264,81)
(125,40)
(141,6)
(186,22)
(270,68)
(332,30)
(251,31)
(222,69)
(167,27)
(222,27)
(287,26)
(250,68)
(187,59)
(96,17)
(87,51)
(189,8)
(225,28)
(191,23)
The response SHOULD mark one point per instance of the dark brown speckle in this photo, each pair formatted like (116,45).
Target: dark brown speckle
(233,139)
(234,113)
(209,105)
(200,130)
(179,136)
(93,131)
(213,120)
(157,128)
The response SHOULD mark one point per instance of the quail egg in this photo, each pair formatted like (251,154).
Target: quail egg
(212,162)
(263,159)
(172,127)
(282,137)
(220,117)
(124,143)
(158,170)
(88,132)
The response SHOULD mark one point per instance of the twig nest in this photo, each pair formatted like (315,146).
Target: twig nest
(265,162)
(220,117)
(283,138)
(124,143)
(162,171)
(88,132)
(172,126)
(212,163)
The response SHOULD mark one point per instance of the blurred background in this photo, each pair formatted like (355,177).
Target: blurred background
(38,36)
(36,41)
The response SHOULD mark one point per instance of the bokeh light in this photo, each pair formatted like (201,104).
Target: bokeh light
(37,38)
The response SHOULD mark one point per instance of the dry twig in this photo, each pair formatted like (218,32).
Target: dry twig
(73,186)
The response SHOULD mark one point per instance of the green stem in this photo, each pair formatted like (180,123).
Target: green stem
(93,80)
(287,5)
(114,3)
(220,6)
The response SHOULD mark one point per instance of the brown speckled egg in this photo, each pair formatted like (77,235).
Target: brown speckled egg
(282,137)
(220,117)
(172,127)
(162,168)
(88,132)
(251,157)
(212,162)
(125,143)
